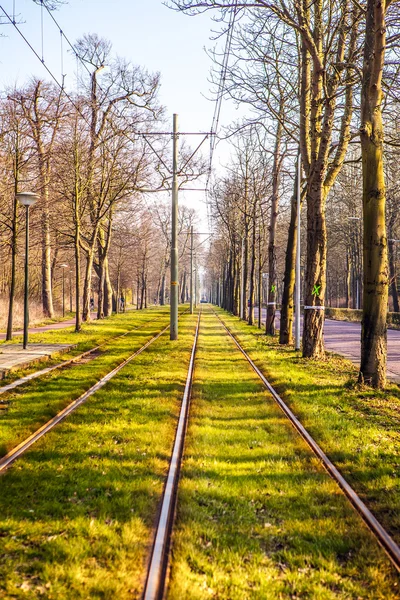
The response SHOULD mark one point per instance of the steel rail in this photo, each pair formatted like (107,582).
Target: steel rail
(11,386)
(157,570)
(16,452)
(381,535)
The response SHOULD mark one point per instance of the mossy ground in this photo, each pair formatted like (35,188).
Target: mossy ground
(28,407)
(358,427)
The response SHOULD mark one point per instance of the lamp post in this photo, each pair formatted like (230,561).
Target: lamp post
(63,267)
(70,291)
(357,302)
(26,199)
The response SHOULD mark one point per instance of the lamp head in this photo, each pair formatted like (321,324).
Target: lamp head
(64,266)
(27,198)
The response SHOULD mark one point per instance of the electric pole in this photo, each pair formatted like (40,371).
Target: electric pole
(191,269)
(174,236)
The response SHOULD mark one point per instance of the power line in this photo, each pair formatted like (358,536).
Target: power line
(218,104)
(221,86)
(54,78)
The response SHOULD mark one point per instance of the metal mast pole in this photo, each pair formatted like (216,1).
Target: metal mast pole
(70,292)
(242,284)
(191,270)
(297,299)
(63,283)
(195,288)
(26,287)
(174,236)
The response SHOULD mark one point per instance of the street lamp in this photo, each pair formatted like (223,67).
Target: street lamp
(357,274)
(26,199)
(63,267)
(70,291)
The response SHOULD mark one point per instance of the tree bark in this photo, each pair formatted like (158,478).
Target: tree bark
(287,310)
(276,170)
(14,245)
(376,284)
(252,275)
(393,275)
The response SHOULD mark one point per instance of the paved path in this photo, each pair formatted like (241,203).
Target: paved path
(344,338)
(13,356)
(51,326)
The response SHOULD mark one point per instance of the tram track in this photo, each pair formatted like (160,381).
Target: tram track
(158,567)
(7,460)
(378,531)
(158,564)
(159,557)
(78,359)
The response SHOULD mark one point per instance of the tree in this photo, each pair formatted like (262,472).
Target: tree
(376,280)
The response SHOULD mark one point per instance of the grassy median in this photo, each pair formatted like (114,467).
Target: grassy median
(359,428)
(28,407)
(77,511)
(258,517)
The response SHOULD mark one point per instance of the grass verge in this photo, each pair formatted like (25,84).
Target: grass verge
(258,517)
(77,511)
(36,402)
(359,429)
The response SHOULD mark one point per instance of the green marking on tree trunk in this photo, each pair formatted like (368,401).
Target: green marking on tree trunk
(316,290)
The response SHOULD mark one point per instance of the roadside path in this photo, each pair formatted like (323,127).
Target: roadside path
(60,325)
(344,338)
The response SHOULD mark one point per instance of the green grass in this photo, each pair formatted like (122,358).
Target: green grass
(258,517)
(359,429)
(77,512)
(37,401)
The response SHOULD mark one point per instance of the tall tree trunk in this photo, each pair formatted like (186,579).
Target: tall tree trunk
(14,245)
(236,290)
(162,291)
(78,321)
(287,310)
(101,276)
(252,274)
(276,170)
(47,295)
(313,344)
(183,287)
(376,285)
(393,276)
(348,278)
(87,286)
(108,291)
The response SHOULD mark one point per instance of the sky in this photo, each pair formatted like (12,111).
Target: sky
(144,32)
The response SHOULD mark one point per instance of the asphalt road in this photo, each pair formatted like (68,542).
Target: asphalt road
(344,338)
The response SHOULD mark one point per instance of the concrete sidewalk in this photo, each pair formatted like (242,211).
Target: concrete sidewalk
(13,356)
(50,327)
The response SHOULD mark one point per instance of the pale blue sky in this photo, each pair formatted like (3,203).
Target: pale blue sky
(142,31)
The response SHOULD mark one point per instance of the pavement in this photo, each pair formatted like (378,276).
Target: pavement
(344,338)
(13,356)
(51,326)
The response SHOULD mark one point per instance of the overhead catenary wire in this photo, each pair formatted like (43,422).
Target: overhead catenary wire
(54,78)
(221,86)
(218,104)
(49,71)
(79,60)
